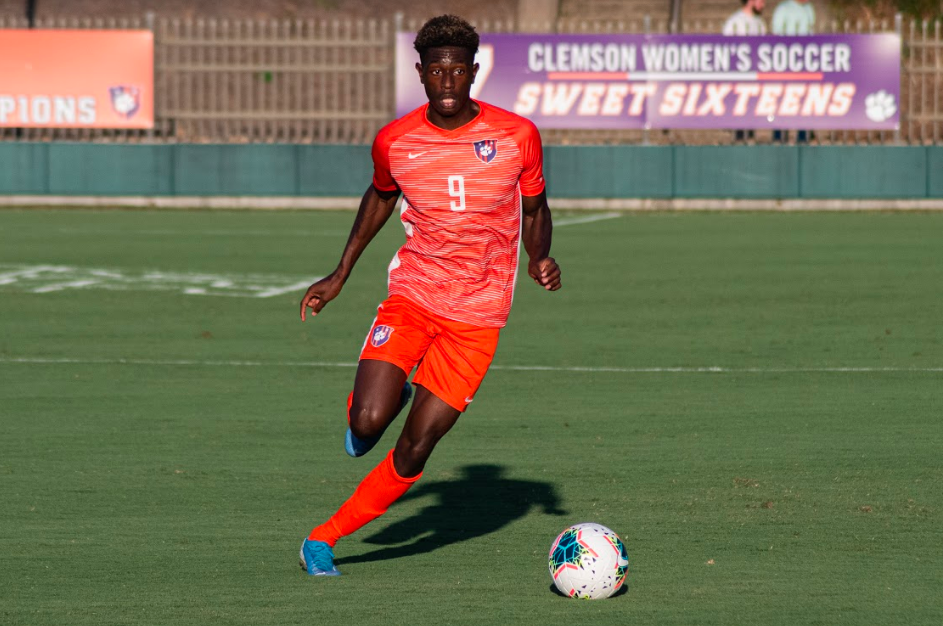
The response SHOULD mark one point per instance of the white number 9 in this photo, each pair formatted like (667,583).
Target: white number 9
(457,190)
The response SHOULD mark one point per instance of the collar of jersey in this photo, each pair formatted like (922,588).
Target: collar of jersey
(465,126)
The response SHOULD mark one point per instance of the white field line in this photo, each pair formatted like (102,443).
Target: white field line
(74,284)
(208,233)
(566,221)
(570,221)
(54,278)
(516,368)
(277,291)
(7,278)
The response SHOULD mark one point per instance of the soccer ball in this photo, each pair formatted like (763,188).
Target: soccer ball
(588,561)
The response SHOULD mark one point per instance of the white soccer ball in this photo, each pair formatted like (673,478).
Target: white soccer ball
(588,561)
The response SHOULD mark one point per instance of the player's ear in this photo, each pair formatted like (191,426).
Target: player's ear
(474,72)
(422,78)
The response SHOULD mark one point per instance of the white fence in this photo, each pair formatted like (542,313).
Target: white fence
(307,81)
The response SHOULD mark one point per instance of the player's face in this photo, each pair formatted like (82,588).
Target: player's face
(758,6)
(447,75)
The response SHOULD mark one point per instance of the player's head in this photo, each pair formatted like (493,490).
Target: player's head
(447,45)
(756,6)
(446,31)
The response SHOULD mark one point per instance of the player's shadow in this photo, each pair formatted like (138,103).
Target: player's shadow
(481,502)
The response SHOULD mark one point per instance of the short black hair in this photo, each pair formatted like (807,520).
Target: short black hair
(446,31)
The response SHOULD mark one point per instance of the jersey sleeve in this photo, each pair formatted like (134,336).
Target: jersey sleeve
(532,155)
(382,176)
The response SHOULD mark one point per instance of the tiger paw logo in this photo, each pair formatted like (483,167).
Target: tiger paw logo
(486,149)
(125,100)
(381,334)
(880,106)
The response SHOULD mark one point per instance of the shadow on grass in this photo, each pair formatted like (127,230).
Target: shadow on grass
(624,589)
(479,503)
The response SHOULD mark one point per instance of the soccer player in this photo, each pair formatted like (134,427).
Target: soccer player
(472,179)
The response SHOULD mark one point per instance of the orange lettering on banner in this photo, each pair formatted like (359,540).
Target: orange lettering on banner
(615,97)
(841,101)
(77,78)
(640,92)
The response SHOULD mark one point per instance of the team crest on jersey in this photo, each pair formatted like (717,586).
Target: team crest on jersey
(381,334)
(125,100)
(486,149)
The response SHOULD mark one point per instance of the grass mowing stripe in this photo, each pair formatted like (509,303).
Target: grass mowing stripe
(516,368)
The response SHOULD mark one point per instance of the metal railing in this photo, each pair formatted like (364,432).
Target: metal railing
(310,81)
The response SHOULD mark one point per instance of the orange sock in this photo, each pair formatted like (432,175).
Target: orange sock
(350,403)
(381,488)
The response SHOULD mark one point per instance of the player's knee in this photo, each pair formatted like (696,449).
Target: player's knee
(367,421)
(412,453)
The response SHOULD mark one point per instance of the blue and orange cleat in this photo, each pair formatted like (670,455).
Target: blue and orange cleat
(356,446)
(317,558)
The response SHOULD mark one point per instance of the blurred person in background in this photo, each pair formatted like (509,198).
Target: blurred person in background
(746,22)
(793,17)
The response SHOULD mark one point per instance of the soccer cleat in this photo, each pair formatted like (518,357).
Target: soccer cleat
(356,446)
(317,558)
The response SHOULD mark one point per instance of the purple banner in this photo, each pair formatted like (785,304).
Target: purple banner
(681,81)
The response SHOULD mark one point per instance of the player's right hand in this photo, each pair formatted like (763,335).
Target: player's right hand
(545,273)
(319,294)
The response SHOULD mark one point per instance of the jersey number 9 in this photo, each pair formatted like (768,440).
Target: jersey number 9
(457,190)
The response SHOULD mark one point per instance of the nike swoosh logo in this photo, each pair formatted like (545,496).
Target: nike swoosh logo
(415,156)
(468,400)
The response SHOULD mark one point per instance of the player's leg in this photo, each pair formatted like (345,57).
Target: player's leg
(376,492)
(446,382)
(430,418)
(380,393)
(452,368)
(397,340)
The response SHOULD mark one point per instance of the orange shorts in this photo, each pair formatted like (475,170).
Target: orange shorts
(453,357)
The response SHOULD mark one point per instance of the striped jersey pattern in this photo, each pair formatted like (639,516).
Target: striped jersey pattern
(461,209)
(742,24)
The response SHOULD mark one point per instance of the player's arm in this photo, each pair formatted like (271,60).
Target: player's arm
(536,232)
(375,209)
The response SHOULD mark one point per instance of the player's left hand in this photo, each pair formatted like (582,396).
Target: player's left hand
(545,273)
(320,293)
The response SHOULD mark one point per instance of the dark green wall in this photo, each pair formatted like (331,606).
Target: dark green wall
(24,168)
(608,171)
(736,172)
(865,172)
(846,172)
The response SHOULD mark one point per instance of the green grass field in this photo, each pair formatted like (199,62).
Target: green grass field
(170,431)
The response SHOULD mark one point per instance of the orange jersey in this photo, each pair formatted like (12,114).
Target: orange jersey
(461,209)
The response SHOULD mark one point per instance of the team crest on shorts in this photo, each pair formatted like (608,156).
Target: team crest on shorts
(380,335)
(486,149)
(125,100)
